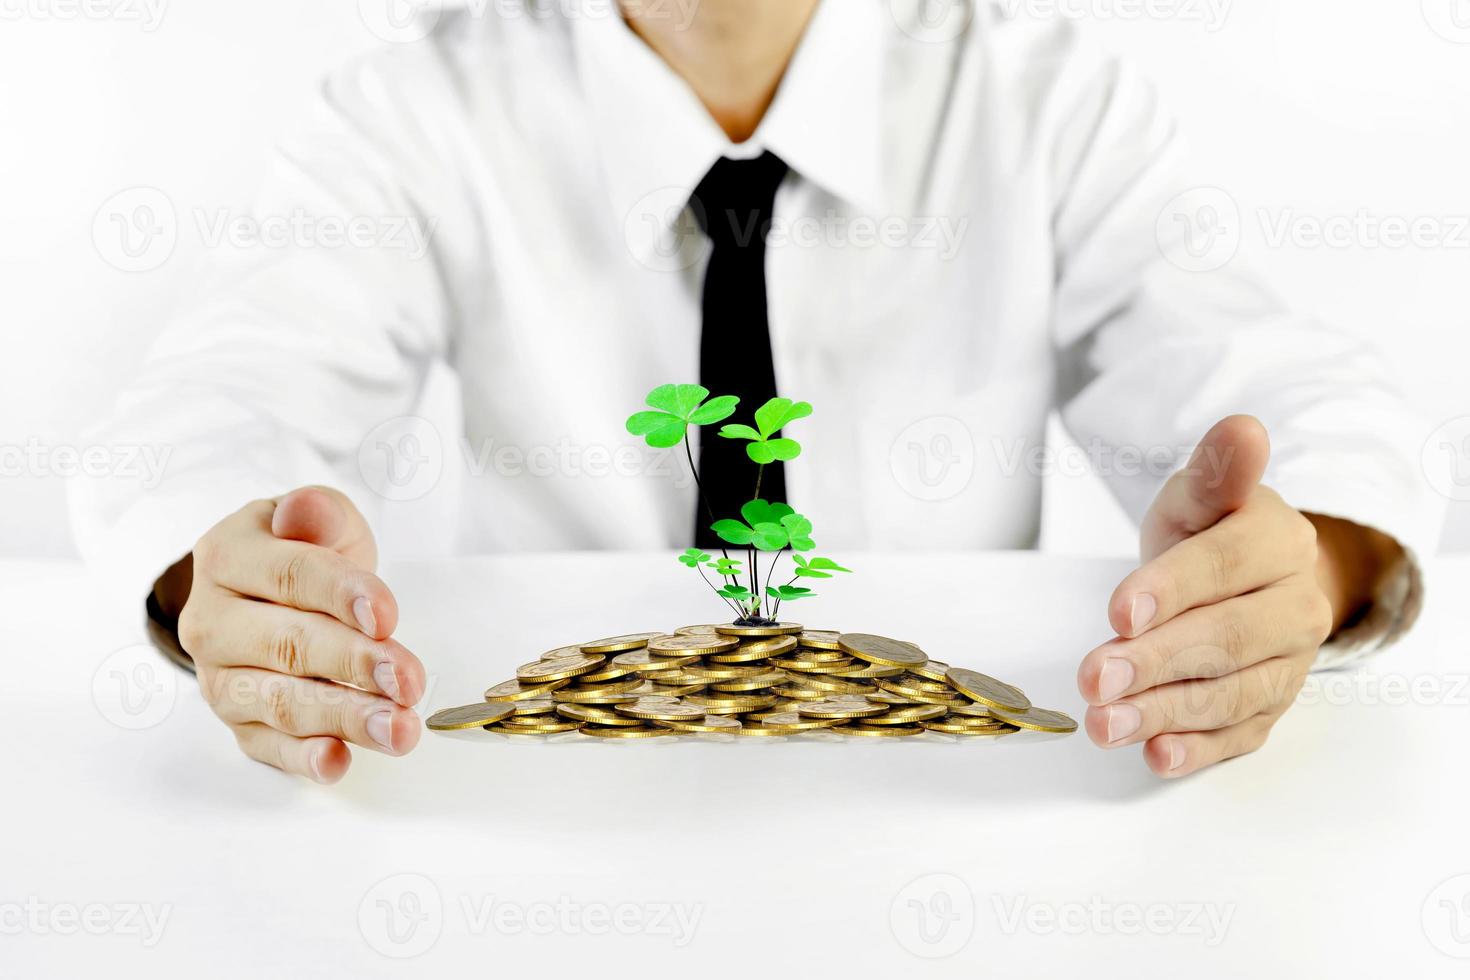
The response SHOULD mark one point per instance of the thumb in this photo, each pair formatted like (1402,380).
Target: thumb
(1224,470)
(325,517)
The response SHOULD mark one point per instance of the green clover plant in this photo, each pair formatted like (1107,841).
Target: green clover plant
(764,526)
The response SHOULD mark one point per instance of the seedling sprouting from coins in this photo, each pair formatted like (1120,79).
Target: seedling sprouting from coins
(764,526)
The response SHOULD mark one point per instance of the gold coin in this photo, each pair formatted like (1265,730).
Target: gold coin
(645,662)
(727,672)
(933,670)
(882,650)
(561,653)
(470,716)
(564,667)
(1038,720)
(539,725)
(639,732)
(535,706)
(756,650)
(867,671)
(610,671)
(841,709)
(803,665)
(820,639)
(836,685)
(588,713)
(792,722)
(697,630)
(773,629)
(672,690)
(898,687)
(950,726)
(753,683)
(709,723)
(743,702)
(986,690)
(514,690)
(793,692)
(614,644)
(679,645)
(971,709)
(649,710)
(761,714)
(910,715)
(875,731)
(760,731)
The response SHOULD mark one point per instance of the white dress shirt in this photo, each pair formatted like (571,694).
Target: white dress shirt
(976,230)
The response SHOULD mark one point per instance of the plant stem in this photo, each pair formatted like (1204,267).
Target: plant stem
(771,571)
(694,470)
(778,601)
(760,471)
(716,591)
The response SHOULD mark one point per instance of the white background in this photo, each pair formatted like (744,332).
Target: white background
(1317,108)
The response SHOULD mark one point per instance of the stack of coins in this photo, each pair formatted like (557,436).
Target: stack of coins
(767,681)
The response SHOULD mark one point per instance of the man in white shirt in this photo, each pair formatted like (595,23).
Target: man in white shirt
(964,232)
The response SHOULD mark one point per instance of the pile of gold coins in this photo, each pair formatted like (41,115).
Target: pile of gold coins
(749,681)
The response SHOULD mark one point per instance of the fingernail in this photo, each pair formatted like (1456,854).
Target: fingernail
(1176,754)
(1115,677)
(1142,613)
(380,728)
(387,679)
(363,610)
(316,764)
(1123,720)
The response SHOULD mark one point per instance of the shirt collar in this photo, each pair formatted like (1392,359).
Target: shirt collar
(657,141)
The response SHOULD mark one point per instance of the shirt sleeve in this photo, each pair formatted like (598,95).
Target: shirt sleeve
(1162,332)
(314,326)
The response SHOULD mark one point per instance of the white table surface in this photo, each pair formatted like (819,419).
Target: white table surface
(1333,852)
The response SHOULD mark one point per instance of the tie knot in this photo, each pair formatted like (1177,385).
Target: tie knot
(734,202)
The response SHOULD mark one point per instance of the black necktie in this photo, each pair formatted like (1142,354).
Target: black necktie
(733,205)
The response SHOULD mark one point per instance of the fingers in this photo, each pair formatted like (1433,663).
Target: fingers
(1210,641)
(1253,547)
(324,760)
(323,516)
(1222,472)
(1172,756)
(305,708)
(245,633)
(242,555)
(1197,705)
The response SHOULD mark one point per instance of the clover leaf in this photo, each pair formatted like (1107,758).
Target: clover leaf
(694,558)
(770,418)
(765,526)
(789,593)
(798,532)
(725,567)
(816,567)
(678,407)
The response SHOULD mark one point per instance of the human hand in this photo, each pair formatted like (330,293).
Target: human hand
(289,631)
(1219,626)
